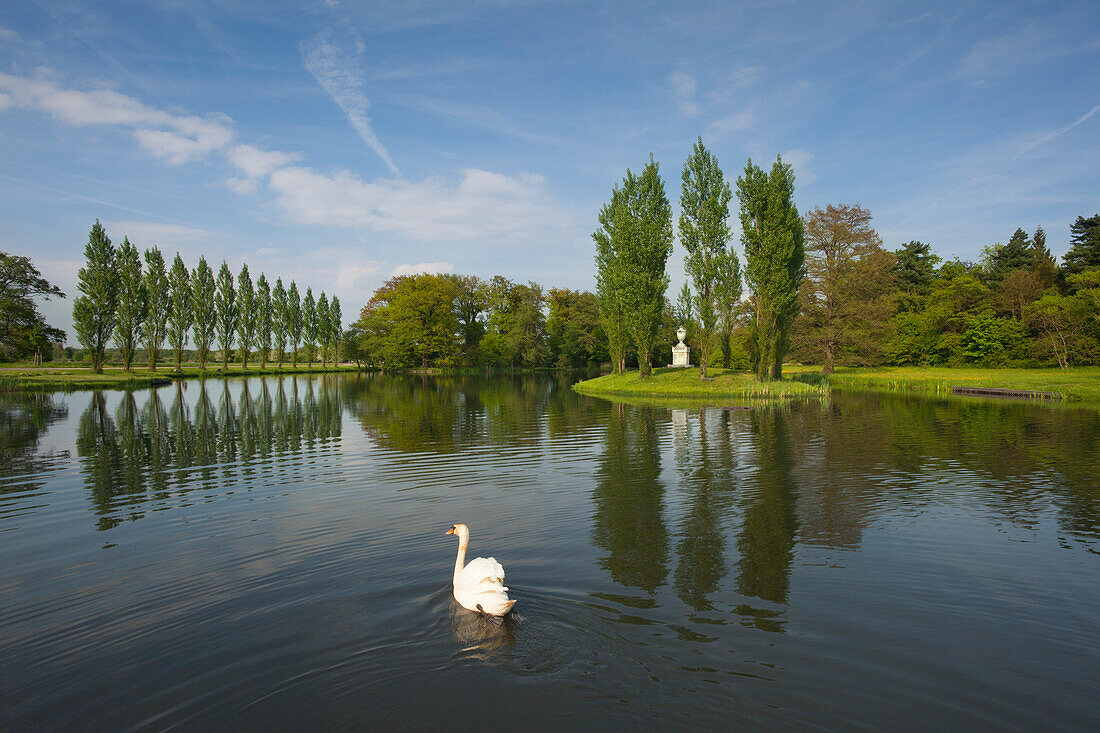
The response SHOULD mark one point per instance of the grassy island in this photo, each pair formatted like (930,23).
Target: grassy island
(669,383)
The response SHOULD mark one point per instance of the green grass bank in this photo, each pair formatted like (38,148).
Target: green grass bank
(677,384)
(1081,384)
(72,377)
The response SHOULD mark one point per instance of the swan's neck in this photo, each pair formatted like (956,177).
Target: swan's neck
(460,561)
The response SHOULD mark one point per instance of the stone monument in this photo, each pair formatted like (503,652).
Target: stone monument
(680,351)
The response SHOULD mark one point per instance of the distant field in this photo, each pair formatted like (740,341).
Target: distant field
(671,383)
(1081,384)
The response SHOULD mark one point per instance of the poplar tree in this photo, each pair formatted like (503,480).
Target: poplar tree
(246,314)
(131,303)
(204,312)
(608,273)
(323,325)
(336,328)
(309,323)
(772,234)
(279,310)
(294,319)
(155,282)
(180,311)
(263,319)
(704,232)
(642,256)
(225,307)
(94,310)
(727,295)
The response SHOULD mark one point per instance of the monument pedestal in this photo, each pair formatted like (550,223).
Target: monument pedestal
(680,352)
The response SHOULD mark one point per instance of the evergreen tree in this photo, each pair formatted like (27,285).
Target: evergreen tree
(279,314)
(294,320)
(94,310)
(309,324)
(1001,259)
(914,270)
(323,327)
(131,303)
(772,234)
(225,308)
(705,234)
(1084,250)
(336,329)
(246,314)
(180,312)
(263,319)
(204,313)
(727,294)
(1042,261)
(155,282)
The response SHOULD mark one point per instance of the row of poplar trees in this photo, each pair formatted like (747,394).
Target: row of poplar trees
(635,240)
(146,304)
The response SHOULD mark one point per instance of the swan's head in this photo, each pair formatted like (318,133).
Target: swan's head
(461,530)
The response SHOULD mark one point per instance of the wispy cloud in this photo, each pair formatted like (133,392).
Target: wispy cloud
(472,114)
(336,67)
(256,163)
(146,234)
(1048,136)
(683,86)
(800,159)
(421,268)
(483,206)
(173,138)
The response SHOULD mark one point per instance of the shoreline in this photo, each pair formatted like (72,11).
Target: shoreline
(73,378)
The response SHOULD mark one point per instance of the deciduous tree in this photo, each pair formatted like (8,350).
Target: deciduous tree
(705,234)
(323,327)
(204,313)
(309,324)
(279,316)
(94,310)
(155,283)
(180,311)
(263,319)
(225,307)
(22,327)
(845,308)
(294,320)
(246,314)
(132,306)
(772,234)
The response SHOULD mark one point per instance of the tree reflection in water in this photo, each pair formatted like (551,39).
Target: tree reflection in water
(629,500)
(707,471)
(146,456)
(24,418)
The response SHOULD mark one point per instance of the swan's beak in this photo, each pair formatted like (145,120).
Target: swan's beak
(450,531)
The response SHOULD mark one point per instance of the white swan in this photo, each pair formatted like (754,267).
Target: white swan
(479,586)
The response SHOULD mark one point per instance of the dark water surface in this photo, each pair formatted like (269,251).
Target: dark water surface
(269,554)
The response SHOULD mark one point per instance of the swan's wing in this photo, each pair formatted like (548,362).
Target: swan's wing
(482,572)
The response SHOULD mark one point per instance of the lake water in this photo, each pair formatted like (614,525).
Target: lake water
(270,554)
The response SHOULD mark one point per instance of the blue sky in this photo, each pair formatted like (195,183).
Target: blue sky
(339,143)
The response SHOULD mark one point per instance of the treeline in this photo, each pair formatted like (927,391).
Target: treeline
(863,305)
(445,320)
(139,302)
